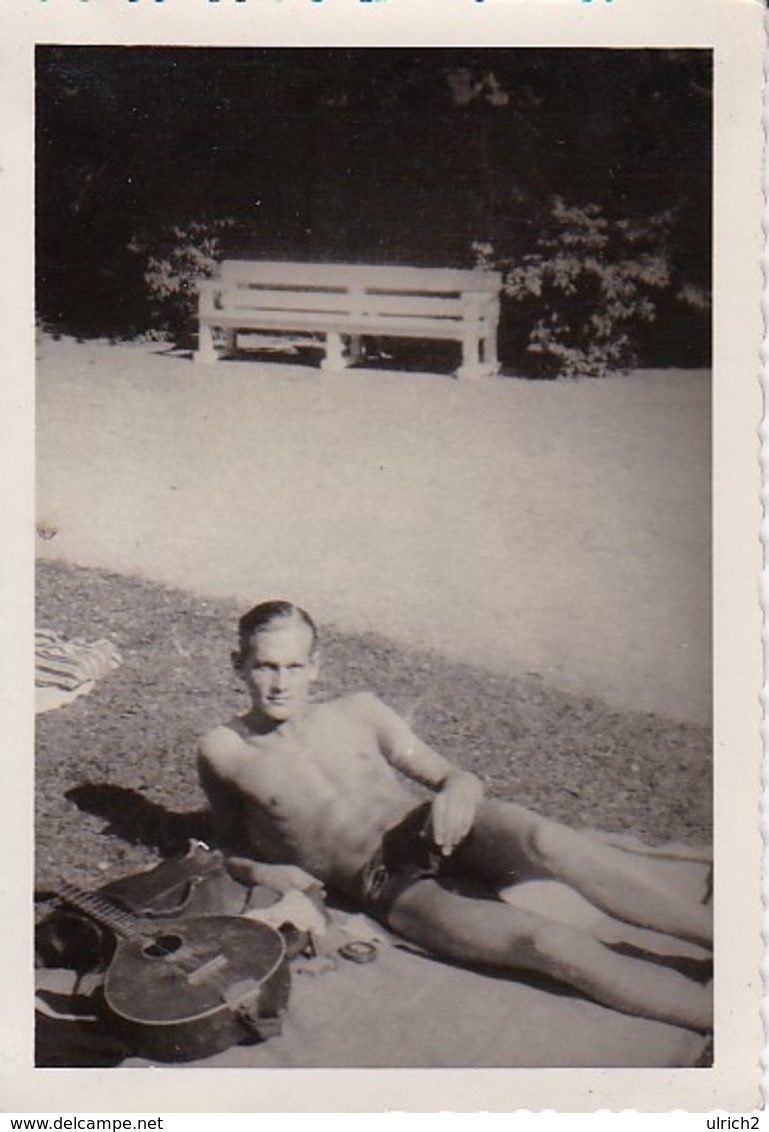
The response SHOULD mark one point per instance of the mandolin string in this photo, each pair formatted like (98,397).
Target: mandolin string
(129,925)
(121,921)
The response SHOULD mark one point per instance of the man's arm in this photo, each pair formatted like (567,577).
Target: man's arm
(225,803)
(458,791)
(227,809)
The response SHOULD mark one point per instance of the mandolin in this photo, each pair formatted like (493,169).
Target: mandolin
(182,989)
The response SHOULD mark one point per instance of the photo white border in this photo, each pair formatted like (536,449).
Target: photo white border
(733,28)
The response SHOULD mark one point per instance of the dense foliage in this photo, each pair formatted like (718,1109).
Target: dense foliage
(589,286)
(174,259)
(385,156)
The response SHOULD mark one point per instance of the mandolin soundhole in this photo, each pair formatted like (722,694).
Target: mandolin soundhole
(162,945)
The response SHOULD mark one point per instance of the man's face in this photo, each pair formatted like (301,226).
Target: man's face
(280,668)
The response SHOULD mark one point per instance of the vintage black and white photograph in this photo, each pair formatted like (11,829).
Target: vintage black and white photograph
(373,650)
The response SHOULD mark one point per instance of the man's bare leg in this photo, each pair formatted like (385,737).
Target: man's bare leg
(488,932)
(509,843)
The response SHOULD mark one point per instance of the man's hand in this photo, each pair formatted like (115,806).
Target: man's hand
(280,878)
(453,810)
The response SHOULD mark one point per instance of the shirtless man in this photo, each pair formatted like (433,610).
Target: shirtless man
(302,791)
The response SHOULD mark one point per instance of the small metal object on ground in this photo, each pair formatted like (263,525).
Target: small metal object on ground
(359,951)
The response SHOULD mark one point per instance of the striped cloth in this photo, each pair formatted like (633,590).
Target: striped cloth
(68,665)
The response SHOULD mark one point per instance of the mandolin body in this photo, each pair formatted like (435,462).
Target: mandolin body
(185,989)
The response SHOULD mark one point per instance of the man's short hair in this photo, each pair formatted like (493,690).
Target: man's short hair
(265,615)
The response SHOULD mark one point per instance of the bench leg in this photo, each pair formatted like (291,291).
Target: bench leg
(355,352)
(479,357)
(472,366)
(206,351)
(334,358)
(490,358)
(230,341)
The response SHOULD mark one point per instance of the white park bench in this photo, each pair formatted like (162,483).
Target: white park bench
(334,307)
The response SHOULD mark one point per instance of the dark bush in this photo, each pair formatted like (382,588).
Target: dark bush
(174,258)
(582,298)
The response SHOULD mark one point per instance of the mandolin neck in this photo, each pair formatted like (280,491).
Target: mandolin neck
(122,922)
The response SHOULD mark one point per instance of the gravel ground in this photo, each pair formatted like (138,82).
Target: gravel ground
(115,775)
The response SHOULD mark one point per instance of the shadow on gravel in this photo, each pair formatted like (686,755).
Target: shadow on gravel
(139,821)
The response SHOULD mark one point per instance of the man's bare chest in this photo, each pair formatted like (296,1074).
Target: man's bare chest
(282,773)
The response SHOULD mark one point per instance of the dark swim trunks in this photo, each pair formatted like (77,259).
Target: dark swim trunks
(406,855)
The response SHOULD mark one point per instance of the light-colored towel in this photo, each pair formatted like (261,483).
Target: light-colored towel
(66,669)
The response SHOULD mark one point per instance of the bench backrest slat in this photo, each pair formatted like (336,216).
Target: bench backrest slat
(250,301)
(341,276)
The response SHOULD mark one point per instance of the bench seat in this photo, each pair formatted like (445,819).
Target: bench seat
(339,305)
